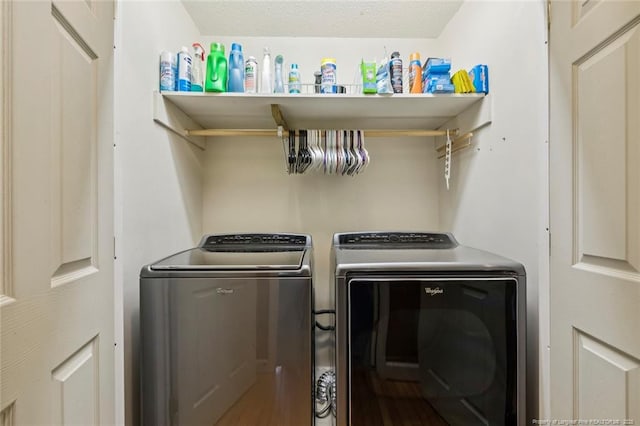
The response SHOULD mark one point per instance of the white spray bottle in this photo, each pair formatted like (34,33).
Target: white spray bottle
(197,77)
(266,82)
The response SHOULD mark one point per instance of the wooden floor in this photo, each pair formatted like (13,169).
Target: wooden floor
(377,402)
(271,402)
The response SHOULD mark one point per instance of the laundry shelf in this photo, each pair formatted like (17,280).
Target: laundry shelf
(196,116)
(253,111)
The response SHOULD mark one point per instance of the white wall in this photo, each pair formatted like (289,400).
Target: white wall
(158,176)
(246,187)
(498,197)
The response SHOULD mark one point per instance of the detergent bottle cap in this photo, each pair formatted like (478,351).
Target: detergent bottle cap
(217,47)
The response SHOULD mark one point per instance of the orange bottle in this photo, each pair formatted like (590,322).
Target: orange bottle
(415,73)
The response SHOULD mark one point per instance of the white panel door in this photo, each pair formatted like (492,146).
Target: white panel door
(57,363)
(595,210)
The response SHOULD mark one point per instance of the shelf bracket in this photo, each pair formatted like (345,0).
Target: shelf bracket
(169,116)
(278,117)
(468,121)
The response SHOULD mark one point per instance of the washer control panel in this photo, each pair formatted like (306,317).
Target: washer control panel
(236,240)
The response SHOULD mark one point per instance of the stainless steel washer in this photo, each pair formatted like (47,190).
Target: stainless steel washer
(227,333)
(427,332)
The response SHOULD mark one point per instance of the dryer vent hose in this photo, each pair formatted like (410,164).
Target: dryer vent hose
(326,394)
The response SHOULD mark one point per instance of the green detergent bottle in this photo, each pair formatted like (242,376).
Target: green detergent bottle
(216,69)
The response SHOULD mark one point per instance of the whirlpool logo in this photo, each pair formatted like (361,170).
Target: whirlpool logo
(433,291)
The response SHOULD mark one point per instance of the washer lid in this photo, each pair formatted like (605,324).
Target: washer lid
(203,259)
(240,252)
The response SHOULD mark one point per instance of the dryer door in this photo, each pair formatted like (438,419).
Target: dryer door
(433,351)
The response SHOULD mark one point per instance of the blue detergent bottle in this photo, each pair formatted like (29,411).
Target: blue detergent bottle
(236,69)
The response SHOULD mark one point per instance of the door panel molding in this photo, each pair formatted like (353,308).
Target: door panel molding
(7,415)
(59,17)
(601,369)
(605,185)
(582,8)
(73,271)
(77,389)
(615,36)
(610,267)
(6,274)
(74,198)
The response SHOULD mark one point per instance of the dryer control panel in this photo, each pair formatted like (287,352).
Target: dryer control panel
(409,240)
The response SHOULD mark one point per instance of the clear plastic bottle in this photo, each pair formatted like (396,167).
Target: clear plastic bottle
(197,77)
(266,82)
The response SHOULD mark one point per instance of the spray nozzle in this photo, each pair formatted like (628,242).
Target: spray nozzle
(199,50)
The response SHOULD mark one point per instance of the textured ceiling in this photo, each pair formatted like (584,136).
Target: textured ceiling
(310,18)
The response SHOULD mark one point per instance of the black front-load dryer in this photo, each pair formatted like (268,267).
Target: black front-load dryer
(428,332)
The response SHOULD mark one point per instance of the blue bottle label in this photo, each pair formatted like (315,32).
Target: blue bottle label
(329,80)
(294,82)
(167,76)
(184,72)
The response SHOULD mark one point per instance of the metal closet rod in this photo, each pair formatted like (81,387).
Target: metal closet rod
(274,132)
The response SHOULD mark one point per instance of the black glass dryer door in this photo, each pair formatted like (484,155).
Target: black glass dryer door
(432,352)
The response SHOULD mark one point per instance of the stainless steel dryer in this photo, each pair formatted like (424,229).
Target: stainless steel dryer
(226,333)
(428,332)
